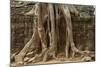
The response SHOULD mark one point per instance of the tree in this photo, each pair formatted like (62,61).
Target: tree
(45,40)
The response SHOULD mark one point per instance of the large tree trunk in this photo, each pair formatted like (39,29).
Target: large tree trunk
(53,43)
(69,34)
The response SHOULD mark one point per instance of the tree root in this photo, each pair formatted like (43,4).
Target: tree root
(40,33)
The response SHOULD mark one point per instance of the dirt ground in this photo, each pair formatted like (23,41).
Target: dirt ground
(59,61)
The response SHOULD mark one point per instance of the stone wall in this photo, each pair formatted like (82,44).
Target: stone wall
(22,29)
